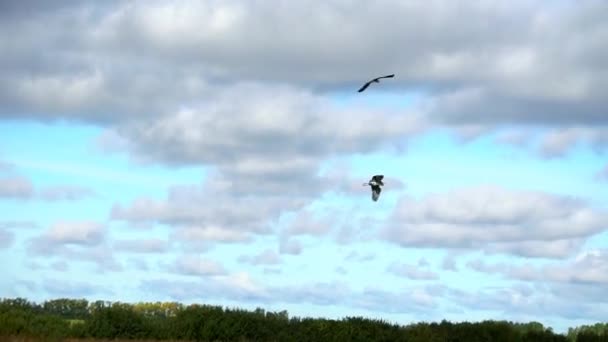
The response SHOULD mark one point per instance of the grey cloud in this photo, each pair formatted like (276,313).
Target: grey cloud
(305,224)
(6,238)
(341,270)
(514,138)
(558,143)
(210,234)
(290,246)
(266,257)
(449,264)
(60,287)
(412,272)
(81,241)
(588,267)
(16,188)
(65,193)
(321,293)
(242,287)
(84,233)
(602,175)
(138,264)
(418,300)
(422,262)
(355,256)
(6,166)
(496,219)
(238,286)
(235,214)
(524,300)
(196,266)
(184,208)
(60,266)
(142,245)
(20,187)
(268,270)
(18,225)
(480,266)
(293,125)
(521,65)
(538,248)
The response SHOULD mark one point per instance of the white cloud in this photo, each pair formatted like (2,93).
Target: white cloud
(65,192)
(86,233)
(6,238)
(193,265)
(266,257)
(16,188)
(495,219)
(412,271)
(142,245)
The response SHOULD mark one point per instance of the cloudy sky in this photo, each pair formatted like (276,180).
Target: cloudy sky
(214,151)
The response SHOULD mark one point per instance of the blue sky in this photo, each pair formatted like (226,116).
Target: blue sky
(200,175)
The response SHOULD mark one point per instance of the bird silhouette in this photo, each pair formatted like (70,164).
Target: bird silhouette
(375,80)
(375,183)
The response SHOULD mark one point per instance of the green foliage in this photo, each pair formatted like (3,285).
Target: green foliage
(77,318)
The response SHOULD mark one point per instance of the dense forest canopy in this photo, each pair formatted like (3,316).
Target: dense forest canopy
(79,318)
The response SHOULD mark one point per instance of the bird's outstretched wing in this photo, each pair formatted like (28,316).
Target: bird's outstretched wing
(376,190)
(365,86)
(387,76)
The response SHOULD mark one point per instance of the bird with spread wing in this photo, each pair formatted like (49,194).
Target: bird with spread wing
(375,183)
(375,80)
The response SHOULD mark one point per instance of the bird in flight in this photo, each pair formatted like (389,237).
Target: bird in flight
(376,80)
(375,183)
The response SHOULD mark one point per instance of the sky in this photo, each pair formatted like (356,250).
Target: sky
(214,152)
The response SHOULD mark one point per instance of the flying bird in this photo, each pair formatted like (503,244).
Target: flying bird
(375,183)
(376,80)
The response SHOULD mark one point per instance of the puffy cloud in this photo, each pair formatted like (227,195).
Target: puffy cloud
(305,224)
(66,288)
(449,263)
(65,193)
(18,225)
(538,249)
(290,246)
(355,256)
(60,266)
(193,265)
(240,286)
(20,187)
(588,267)
(16,188)
(6,166)
(493,218)
(266,257)
(602,175)
(86,233)
(142,245)
(527,301)
(519,67)
(6,238)
(412,271)
(81,241)
(236,286)
(138,264)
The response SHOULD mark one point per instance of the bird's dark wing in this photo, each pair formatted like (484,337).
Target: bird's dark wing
(378,179)
(364,86)
(387,76)
(376,190)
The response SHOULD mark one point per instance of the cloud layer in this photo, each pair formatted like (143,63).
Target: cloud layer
(496,219)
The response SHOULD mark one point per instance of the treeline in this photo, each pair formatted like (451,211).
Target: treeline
(77,318)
